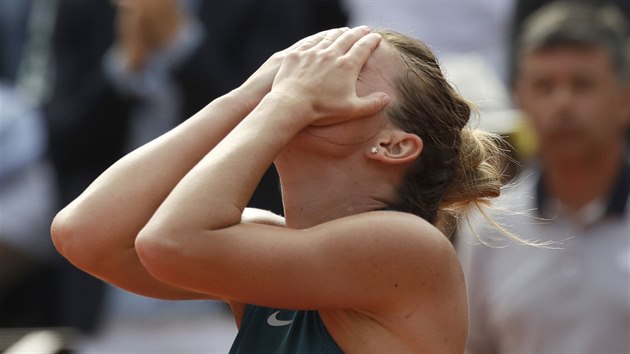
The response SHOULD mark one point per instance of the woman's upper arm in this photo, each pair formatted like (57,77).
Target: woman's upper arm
(89,249)
(362,261)
(119,264)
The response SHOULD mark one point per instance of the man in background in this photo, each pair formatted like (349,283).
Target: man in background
(572,84)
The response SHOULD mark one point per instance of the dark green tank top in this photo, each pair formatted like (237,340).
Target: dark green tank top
(268,330)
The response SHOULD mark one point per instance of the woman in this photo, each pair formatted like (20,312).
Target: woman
(369,142)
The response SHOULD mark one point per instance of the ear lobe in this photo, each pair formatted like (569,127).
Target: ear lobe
(401,148)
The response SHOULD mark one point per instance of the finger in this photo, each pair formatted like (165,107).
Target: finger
(362,49)
(306,42)
(311,41)
(305,39)
(330,37)
(347,39)
(371,104)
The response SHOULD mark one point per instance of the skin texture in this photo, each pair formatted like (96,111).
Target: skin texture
(580,111)
(169,219)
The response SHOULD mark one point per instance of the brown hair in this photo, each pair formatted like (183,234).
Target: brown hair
(458,165)
(570,23)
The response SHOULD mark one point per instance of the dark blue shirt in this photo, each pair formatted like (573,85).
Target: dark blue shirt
(268,330)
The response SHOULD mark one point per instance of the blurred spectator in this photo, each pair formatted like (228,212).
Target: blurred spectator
(27,194)
(572,83)
(126,71)
(13,20)
(524,8)
(26,208)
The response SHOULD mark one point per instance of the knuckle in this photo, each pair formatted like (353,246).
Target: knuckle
(292,56)
(328,55)
(278,56)
(346,62)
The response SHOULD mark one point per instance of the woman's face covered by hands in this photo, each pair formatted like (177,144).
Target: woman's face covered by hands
(343,123)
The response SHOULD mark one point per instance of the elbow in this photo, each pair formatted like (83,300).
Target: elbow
(168,254)
(156,252)
(66,233)
(81,242)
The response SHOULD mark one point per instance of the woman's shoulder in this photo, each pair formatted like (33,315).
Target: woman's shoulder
(423,289)
(397,225)
(413,244)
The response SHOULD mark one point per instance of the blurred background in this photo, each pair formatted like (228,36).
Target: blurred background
(82,82)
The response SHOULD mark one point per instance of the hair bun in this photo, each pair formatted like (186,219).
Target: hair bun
(479,173)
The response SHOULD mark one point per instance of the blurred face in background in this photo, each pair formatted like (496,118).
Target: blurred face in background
(575,101)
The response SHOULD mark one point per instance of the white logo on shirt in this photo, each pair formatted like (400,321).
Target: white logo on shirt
(275,322)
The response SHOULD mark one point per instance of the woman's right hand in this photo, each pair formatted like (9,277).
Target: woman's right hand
(259,83)
(320,77)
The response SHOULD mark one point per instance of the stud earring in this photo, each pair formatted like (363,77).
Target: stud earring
(374,150)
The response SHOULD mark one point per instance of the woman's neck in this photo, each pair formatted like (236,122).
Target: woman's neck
(313,194)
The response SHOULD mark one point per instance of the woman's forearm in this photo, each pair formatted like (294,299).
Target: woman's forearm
(215,192)
(108,215)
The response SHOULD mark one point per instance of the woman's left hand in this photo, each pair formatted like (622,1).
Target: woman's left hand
(320,75)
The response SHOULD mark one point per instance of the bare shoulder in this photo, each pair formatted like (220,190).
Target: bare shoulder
(403,245)
(420,297)
(400,223)
(405,232)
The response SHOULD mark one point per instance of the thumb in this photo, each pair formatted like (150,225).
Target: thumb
(372,103)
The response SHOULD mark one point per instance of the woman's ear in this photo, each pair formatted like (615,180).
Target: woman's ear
(397,148)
